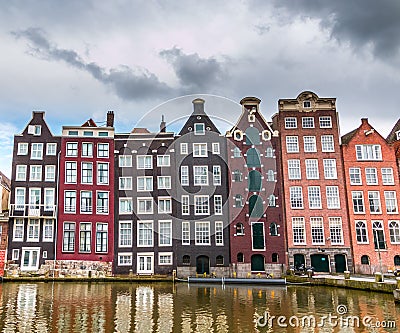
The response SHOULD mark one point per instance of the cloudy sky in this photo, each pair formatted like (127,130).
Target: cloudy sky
(78,59)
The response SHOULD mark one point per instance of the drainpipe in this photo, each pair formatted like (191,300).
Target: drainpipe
(56,213)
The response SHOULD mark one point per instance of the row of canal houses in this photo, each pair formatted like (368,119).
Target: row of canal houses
(262,197)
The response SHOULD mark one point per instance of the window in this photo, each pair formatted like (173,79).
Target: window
(87,173)
(390,202)
(51,149)
(15,254)
(387,176)
(48,230)
(202,233)
(332,197)
(374,202)
(358,201)
(185,233)
(236,152)
(101,237)
(368,152)
(87,133)
(185,205)
(330,171)
(239,229)
(125,183)
(218,204)
(102,150)
(145,233)
(37,151)
(34,198)
(336,230)
(252,136)
(70,202)
(165,233)
(125,161)
(103,133)
(20,173)
(186,260)
(364,260)
(296,197)
(125,205)
(219,260)
(273,229)
(271,175)
(379,236)
(272,200)
(145,184)
(306,104)
(219,227)
(327,143)
(269,152)
(19,198)
(29,258)
(310,144)
(396,258)
(314,197)
(216,175)
(70,172)
(292,144)
(125,234)
(199,129)
(164,205)
(49,195)
(371,176)
(298,228)
(253,158)
(199,149)
(72,133)
(290,122)
(22,148)
(163,161)
(184,148)
(164,182)
(201,205)
(102,203)
(87,149)
(145,205)
(307,122)
(50,173)
(68,237)
(72,149)
(361,232)
(237,176)
(124,259)
(18,232)
(325,122)
(184,175)
(86,202)
(35,173)
(165,258)
(215,148)
(317,230)
(85,237)
(240,257)
(355,176)
(200,175)
(144,162)
(394,232)
(238,201)
(312,169)
(102,173)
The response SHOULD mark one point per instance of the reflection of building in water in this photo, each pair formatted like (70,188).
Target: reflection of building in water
(144,309)
(123,307)
(26,306)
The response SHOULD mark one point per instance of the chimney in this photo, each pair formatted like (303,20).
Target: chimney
(364,120)
(163,125)
(198,105)
(110,119)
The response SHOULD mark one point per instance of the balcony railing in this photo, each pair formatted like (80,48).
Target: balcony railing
(28,210)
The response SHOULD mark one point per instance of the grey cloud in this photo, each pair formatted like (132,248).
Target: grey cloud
(359,22)
(193,71)
(128,83)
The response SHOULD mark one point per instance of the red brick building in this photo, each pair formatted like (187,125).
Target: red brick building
(257,229)
(394,139)
(85,236)
(372,184)
(315,203)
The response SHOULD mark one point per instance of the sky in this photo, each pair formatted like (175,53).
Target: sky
(78,59)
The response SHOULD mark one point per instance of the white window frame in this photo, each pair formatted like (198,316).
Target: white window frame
(332,197)
(125,183)
(145,200)
(217,175)
(290,122)
(144,162)
(199,177)
(355,174)
(163,160)
(162,201)
(23,148)
(307,122)
(314,197)
(147,187)
(330,168)
(310,144)
(296,194)
(87,149)
(185,233)
(327,143)
(148,241)
(125,161)
(371,176)
(317,231)
(126,232)
(164,182)
(36,151)
(200,150)
(125,258)
(103,175)
(325,122)
(199,129)
(184,148)
(215,148)
(162,255)
(18,230)
(160,233)
(219,233)
(392,200)
(387,176)
(50,173)
(185,205)
(202,233)
(48,224)
(20,173)
(335,225)
(71,149)
(125,203)
(312,168)
(376,199)
(292,144)
(353,193)
(201,206)
(218,204)
(368,152)
(299,236)
(103,150)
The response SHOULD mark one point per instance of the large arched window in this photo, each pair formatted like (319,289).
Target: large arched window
(253,158)
(364,260)
(252,136)
(273,229)
(379,236)
(254,181)
(237,152)
(394,232)
(361,232)
(255,206)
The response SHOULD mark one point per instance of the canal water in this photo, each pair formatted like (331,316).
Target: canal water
(163,307)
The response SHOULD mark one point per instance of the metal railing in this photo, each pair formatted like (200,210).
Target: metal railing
(29,210)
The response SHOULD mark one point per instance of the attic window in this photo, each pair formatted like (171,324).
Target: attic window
(35,130)
(72,133)
(103,133)
(87,133)
(307,104)
(398,135)
(199,129)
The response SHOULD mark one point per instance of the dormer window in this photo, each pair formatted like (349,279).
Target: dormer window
(306,104)
(199,129)
(35,130)
(398,135)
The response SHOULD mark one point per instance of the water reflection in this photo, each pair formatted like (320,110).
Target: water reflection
(163,308)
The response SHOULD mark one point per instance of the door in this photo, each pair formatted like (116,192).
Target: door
(340,263)
(320,262)
(30,259)
(145,264)
(258,236)
(299,260)
(257,263)
(202,265)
